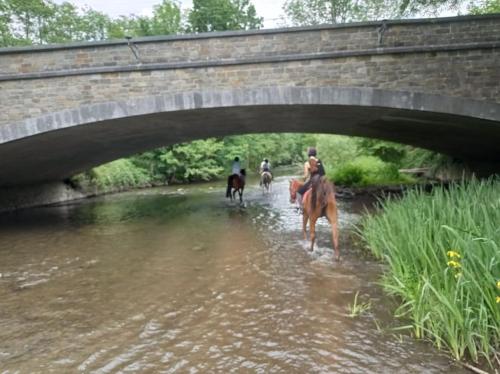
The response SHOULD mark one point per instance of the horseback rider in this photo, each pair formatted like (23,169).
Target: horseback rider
(265,167)
(310,175)
(235,171)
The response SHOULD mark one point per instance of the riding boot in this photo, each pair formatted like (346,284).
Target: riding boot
(301,207)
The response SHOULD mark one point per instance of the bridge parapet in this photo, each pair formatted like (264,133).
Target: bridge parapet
(329,41)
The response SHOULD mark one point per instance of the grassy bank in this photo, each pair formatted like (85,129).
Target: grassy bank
(443,251)
(119,175)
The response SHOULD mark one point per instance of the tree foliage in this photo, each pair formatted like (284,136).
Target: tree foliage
(222,15)
(314,12)
(211,158)
(485,7)
(26,22)
(193,161)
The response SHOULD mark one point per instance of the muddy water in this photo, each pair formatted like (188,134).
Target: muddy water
(168,280)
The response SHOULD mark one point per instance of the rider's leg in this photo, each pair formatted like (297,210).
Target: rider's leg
(301,191)
(301,204)
(229,183)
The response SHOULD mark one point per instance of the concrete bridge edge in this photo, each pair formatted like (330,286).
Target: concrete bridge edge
(365,97)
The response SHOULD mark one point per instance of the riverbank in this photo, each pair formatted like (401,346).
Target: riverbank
(443,253)
(16,198)
(386,190)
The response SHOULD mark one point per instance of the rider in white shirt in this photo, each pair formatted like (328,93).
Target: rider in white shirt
(265,165)
(235,170)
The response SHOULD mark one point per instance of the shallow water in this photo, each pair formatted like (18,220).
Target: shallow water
(180,280)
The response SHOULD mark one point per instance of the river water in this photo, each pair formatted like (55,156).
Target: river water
(180,280)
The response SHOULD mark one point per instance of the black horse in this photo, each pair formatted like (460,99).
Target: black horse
(236,183)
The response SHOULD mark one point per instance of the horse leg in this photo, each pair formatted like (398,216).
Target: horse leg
(312,232)
(335,236)
(305,218)
(333,218)
(240,192)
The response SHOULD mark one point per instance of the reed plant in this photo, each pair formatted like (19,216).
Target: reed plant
(357,308)
(443,253)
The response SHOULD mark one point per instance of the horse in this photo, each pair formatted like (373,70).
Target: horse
(319,201)
(266,179)
(237,185)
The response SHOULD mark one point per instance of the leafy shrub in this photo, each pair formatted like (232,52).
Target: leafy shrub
(367,170)
(349,174)
(114,176)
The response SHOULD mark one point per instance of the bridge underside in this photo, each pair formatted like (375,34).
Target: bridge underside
(54,150)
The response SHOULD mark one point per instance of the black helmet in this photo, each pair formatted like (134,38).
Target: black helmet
(311,151)
(236,158)
(265,160)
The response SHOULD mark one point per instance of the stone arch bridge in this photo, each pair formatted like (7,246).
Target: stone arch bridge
(433,83)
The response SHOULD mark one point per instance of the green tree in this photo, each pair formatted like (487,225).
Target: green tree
(384,150)
(280,149)
(93,25)
(193,161)
(485,7)
(166,18)
(222,15)
(336,149)
(6,37)
(314,12)
(406,8)
(121,26)
(63,26)
(28,19)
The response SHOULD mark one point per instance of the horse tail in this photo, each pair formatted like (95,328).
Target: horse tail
(321,189)
(267,177)
(328,188)
(315,187)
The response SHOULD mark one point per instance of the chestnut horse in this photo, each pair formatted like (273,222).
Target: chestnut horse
(238,185)
(319,201)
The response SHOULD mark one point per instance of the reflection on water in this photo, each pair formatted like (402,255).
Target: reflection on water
(167,281)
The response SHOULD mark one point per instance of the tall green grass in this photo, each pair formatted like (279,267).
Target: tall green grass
(444,263)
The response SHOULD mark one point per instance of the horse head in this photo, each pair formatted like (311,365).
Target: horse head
(293,187)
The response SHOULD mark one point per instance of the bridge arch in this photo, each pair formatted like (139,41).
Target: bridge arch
(59,144)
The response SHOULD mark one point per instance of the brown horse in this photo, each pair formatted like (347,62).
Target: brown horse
(237,185)
(266,179)
(319,201)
